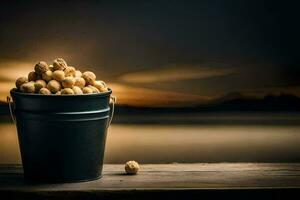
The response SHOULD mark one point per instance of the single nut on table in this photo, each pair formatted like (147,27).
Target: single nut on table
(78,73)
(77,90)
(89,77)
(100,85)
(69,71)
(87,90)
(58,75)
(59,64)
(20,81)
(69,82)
(132,167)
(94,89)
(32,76)
(47,76)
(67,91)
(28,87)
(41,67)
(54,86)
(44,91)
(39,84)
(80,82)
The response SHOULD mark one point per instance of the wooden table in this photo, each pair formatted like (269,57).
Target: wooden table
(179,181)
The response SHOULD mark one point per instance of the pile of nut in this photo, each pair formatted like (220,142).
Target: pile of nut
(59,79)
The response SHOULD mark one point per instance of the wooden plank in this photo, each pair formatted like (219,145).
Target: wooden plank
(165,181)
(170,177)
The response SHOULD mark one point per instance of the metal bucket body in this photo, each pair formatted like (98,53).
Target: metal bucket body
(62,138)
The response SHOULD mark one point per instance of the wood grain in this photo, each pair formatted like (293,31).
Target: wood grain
(171,176)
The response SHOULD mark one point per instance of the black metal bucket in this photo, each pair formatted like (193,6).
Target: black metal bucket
(62,138)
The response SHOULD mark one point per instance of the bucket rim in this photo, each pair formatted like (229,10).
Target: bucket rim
(15,92)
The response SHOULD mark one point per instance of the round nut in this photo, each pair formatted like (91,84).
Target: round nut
(69,71)
(32,76)
(58,75)
(89,77)
(54,86)
(77,90)
(78,73)
(42,82)
(80,82)
(47,76)
(68,82)
(44,91)
(67,91)
(41,67)
(132,167)
(95,90)
(87,90)
(28,87)
(20,81)
(59,64)
(39,84)
(100,85)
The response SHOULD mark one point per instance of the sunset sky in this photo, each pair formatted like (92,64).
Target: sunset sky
(158,53)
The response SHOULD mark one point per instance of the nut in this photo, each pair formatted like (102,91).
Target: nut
(100,85)
(69,71)
(28,87)
(80,82)
(41,67)
(58,75)
(58,93)
(78,73)
(54,86)
(47,76)
(44,91)
(67,91)
(77,90)
(32,76)
(59,64)
(89,77)
(132,167)
(42,82)
(69,82)
(39,84)
(87,90)
(94,89)
(20,81)
(51,68)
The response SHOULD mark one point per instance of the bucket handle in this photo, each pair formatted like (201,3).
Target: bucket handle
(112,102)
(10,102)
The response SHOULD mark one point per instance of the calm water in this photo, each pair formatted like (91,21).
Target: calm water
(185,143)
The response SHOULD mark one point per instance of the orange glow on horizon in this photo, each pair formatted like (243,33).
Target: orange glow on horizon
(138,96)
(128,93)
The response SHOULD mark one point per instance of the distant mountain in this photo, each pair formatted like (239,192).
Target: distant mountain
(230,102)
(229,97)
(283,102)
